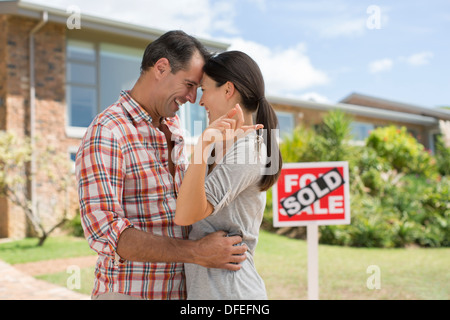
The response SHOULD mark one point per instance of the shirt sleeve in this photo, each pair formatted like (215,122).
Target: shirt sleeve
(234,174)
(100,174)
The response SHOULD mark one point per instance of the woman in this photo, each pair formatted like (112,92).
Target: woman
(229,194)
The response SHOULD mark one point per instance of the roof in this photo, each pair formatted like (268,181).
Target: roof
(397,106)
(358,110)
(32,10)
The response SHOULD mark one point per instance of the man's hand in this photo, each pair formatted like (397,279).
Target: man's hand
(218,251)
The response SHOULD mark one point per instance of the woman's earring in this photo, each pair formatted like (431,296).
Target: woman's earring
(258,143)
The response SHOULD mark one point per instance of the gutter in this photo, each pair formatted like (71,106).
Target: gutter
(359,110)
(92,22)
(44,19)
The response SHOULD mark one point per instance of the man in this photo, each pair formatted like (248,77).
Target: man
(130,166)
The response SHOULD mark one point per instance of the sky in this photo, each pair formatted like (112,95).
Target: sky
(321,50)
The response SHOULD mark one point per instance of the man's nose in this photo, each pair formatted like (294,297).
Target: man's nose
(192,95)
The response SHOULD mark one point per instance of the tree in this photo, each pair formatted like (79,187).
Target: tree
(52,168)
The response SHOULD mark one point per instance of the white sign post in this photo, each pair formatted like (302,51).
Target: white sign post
(312,194)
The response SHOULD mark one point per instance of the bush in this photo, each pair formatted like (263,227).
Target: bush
(402,151)
(74,226)
(442,156)
(398,197)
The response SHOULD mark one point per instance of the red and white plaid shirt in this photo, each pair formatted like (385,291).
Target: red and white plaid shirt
(124,180)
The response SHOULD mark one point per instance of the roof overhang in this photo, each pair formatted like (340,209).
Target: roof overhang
(410,108)
(358,110)
(55,15)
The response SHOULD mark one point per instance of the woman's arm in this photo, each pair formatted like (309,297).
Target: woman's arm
(192,204)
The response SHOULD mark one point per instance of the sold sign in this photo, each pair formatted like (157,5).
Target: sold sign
(314,192)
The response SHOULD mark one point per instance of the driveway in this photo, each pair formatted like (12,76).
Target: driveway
(17,285)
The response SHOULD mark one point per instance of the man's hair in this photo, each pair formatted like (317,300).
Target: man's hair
(177,47)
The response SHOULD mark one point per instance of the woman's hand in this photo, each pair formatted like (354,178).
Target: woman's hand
(229,127)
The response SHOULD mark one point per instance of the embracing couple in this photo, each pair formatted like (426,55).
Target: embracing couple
(164,229)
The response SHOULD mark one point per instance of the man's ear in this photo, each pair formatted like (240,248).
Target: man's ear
(162,68)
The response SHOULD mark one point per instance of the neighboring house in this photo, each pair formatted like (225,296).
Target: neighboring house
(368,113)
(54,80)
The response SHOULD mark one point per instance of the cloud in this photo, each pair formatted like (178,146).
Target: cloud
(285,70)
(415,60)
(344,27)
(336,18)
(380,65)
(198,17)
(315,97)
(419,59)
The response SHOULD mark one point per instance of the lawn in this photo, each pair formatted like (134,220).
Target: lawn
(412,273)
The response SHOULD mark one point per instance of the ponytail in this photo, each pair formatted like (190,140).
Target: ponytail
(266,116)
(238,68)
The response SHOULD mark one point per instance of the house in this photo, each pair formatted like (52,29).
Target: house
(368,113)
(55,76)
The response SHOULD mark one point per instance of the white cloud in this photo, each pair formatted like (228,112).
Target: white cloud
(286,70)
(344,27)
(197,17)
(337,18)
(314,96)
(380,65)
(419,59)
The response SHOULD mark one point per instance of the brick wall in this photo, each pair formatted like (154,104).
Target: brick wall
(50,111)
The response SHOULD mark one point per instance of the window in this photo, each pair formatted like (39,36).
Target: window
(96,73)
(81,83)
(285,123)
(193,119)
(119,70)
(72,157)
(361,130)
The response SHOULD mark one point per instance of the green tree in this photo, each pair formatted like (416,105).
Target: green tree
(54,168)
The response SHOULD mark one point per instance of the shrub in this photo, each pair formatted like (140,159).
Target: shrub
(74,226)
(402,151)
(442,156)
(397,196)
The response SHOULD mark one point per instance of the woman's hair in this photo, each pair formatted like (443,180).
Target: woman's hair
(177,47)
(245,74)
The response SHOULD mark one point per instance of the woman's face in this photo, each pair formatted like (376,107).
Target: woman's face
(214,99)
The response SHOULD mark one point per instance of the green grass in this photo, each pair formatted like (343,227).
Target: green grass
(26,250)
(412,273)
(64,279)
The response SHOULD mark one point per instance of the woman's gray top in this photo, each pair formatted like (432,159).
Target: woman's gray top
(232,188)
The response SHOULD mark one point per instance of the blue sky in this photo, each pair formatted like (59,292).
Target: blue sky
(323,49)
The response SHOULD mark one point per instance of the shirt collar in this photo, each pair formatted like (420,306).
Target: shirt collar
(138,113)
(133,108)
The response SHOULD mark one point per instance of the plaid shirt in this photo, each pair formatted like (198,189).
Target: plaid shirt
(124,180)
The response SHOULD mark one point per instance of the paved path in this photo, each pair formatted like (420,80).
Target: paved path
(16,285)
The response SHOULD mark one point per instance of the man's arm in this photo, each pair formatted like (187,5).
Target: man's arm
(213,251)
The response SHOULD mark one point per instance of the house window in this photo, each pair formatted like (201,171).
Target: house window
(361,130)
(96,73)
(193,119)
(72,158)
(81,83)
(285,123)
(119,70)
